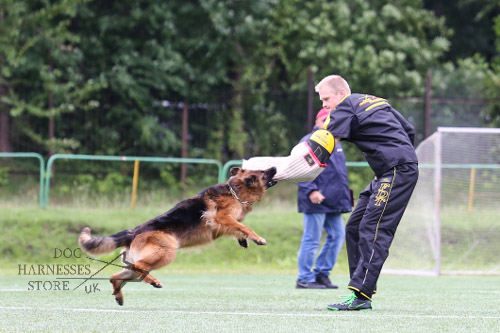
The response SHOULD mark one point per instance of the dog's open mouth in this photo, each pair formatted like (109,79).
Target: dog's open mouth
(269,176)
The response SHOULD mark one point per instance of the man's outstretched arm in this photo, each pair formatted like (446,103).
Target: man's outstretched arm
(305,162)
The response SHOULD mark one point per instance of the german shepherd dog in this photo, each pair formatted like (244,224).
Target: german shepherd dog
(216,211)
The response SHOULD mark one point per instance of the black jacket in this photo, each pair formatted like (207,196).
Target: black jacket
(383,135)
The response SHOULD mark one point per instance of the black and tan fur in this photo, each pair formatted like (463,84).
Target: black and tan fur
(212,213)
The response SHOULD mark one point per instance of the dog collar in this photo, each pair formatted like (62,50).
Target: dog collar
(237,198)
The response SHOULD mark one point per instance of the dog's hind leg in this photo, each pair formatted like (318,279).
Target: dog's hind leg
(142,268)
(150,251)
(118,280)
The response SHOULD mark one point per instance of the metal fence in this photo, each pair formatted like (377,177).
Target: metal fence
(55,157)
(42,169)
(46,176)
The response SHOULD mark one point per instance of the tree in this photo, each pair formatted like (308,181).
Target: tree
(251,124)
(40,69)
(468,78)
(383,48)
(493,85)
(147,51)
(471,22)
(10,17)
(247,60)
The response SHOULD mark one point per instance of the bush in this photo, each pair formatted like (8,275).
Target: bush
(4,176)
(113,182)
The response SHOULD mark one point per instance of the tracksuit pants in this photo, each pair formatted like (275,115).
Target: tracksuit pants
(372,225)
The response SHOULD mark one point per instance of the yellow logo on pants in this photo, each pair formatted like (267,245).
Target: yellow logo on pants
(382,194)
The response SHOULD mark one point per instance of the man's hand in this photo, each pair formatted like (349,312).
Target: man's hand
(316,197)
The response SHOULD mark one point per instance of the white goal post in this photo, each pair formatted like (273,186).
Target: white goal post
(452,222)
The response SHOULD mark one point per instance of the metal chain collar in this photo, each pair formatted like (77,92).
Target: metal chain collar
(237,198)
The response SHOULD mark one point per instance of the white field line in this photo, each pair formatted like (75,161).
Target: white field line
(256,314)
(41,291)
(8,290)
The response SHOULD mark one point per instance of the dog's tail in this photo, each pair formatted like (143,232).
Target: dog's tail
(103,244)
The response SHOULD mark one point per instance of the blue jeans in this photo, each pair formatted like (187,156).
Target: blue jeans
(313,226)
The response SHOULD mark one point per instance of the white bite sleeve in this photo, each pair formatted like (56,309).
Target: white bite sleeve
(300,166)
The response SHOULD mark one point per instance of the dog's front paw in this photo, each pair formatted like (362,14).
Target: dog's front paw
(157,284)
(243,242)
(260,241)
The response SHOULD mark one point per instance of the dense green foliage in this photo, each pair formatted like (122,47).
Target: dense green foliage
(101,70)
(471,21)
(493,86)
(41,72)
(112,77)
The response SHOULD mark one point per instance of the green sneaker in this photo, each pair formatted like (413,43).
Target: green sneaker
(351,304)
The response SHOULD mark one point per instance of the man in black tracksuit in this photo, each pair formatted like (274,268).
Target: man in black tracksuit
(386,139)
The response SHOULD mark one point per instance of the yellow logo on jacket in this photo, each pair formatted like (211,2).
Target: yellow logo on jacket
(373,101)
(382,194)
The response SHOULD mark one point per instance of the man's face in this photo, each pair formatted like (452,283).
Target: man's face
(330,98)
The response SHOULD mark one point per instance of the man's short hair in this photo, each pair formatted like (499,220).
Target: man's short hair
(335,83)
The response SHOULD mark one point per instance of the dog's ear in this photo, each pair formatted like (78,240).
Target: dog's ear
(234,170)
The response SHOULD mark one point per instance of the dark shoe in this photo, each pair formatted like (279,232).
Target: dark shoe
(351,304)
(309,285)
(324,280)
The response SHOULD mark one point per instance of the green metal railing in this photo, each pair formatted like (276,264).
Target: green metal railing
(460,166)
(45,170)
(55,157)
(42,168)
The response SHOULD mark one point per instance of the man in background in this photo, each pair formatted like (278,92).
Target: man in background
(323,201)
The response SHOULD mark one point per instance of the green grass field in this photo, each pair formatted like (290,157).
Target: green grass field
(254,303)
(220,287)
